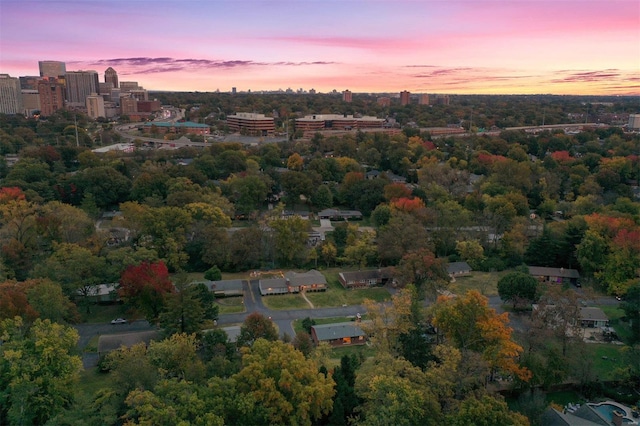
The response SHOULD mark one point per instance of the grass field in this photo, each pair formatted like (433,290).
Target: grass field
(103,313)
(623,330)
(607,358)
(484,282)
(230,305)
(285,301)
(364,351)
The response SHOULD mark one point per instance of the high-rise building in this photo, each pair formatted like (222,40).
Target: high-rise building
(442,99)
(140,94)
(423,99)
(95,106)
(128,105)
(30,102)
(347,96)
(10,95)
(29,82)
(127,86)
(52,68)
(634,121)
(404,97)
(81,84)
(111,76)
(51,94)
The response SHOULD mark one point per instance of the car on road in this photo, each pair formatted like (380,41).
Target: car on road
(119,321)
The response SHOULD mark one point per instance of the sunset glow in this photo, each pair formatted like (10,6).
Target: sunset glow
(474,46)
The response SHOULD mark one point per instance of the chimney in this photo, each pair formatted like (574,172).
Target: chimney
(617,418)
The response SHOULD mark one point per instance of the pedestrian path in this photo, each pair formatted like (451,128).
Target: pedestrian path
(304,296)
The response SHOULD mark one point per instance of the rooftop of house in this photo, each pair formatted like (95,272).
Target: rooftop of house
(337,330)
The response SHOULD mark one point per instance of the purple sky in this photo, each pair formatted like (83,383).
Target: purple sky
(424,46)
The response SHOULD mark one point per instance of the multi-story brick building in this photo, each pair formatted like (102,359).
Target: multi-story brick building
(251,124)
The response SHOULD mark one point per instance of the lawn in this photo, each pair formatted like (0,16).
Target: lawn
(103,313)
(623,330)
(364,351)
(285,302)
(230,305)
(484,282)
(607,358)
(336,295)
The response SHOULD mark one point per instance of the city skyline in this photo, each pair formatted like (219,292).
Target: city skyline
(462,47)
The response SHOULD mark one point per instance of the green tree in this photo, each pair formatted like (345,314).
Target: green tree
(213,274)
(322,198)
(519,288)
(38,370)
(395,392)
(285,383)
(486,411)
(291,236)
(631,308)
(422,269)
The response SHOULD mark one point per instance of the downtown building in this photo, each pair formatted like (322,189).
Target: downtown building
(251,124)
(52,68)
(95,106)
(111,76)
(51,93)
(81,84)
(405,98)
(10,95)
(347,96)
(317,122)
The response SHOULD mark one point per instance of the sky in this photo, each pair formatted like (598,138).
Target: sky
(424,46)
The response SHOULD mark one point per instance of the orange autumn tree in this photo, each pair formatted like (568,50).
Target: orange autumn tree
(407,205)
(471,325)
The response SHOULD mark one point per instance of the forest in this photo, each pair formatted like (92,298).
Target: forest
(72,219)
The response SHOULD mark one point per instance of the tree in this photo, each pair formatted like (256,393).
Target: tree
(469,323)
(145,287)
(256,326)
(184,311)
(213,274)
(50,302)
(519,288)
(470,251)
(402,234)
(295,162)
(38,370)
(285,383)
(388,322)
(322,198)
(425,271)
(486,411)
(395,392)
(631,308)
(75,268)
(290,239)
(108,186)
(303,343)
(176,357)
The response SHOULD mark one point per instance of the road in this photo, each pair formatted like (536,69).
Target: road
(283,319)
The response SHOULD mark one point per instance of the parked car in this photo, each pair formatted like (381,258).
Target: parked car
(119,321)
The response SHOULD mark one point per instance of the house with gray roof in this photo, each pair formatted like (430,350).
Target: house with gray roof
(458,269)
(367,278)
(338,334)
(293,282)
(335,214)
(555,275)
(271,286)
(224,288)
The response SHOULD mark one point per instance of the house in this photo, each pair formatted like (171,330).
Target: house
(224,288)
(458,269)
(334,214)
(338,334)
(272,286)
(102,293)
(555,275)
(363,279)
(605,414)
(111,342)
(306,281)
(293,282)
(373,174)
(591,317)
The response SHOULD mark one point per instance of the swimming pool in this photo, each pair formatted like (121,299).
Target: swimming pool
(606,410)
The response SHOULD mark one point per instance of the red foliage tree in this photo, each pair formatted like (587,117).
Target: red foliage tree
(13,302)
(10,194)
(408,205)
(562,156)
(145,286)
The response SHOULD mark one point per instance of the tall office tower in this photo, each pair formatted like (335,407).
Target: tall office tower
(10,95)
(105,89)
(128,105)
(127,86)
(347,96)
(233,90)
(52,68)
(442,99)
(81,84)
(29,82)
(51,96)
(95,106)
(111,76)
(423,99)
(30,101)
(404,97)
